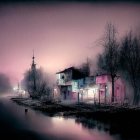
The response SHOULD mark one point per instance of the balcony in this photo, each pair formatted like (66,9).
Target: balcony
(61,82)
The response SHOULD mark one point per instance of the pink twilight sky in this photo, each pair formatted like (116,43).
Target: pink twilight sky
(61,34)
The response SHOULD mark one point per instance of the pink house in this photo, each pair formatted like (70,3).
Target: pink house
(105,89)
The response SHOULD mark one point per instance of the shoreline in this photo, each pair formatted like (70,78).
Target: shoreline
(102,112)
(116,120)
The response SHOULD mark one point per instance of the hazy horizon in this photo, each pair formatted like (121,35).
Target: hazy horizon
(61,34)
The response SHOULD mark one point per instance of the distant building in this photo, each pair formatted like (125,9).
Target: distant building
(87,87)
(99,89)
(67,81)
(105,89)
(73,85)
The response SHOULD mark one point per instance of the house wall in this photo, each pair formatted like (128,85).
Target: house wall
(64,77)
(60,79)
(90,88)
(119,90)
(68,87)
(104,81)
(87,89)
(68,76)
(92,93)
(75,87)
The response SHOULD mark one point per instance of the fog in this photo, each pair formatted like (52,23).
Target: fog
(61,34)
(5,85)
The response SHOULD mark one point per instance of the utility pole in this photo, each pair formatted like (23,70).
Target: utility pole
(105,93)
(99,94)
(78,97)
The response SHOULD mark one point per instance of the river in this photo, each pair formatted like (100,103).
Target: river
(17,124)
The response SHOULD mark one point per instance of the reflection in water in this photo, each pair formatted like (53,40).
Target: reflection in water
(93,124)
(75,131)
(58,127)
(121,131)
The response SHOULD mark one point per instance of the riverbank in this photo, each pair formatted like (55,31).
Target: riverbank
(122,120)
(102,112)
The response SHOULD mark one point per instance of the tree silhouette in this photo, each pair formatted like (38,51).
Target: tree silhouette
(108,61)
(130,63)
(42,84)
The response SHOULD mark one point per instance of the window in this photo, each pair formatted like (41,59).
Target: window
(62,77)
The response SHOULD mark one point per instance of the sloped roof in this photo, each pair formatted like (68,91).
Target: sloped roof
(65,70)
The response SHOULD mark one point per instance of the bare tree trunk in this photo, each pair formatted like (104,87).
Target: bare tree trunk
(112,100)
(136,96)
(78,97)
(105,94)
(99,97)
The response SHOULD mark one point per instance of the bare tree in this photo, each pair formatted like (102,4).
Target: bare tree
(42,85)
(130,63)
(108,61)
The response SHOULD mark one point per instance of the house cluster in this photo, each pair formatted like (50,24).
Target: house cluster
(73,85)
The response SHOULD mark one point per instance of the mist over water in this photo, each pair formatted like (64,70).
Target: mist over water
(5,85)
(37,126)
(62,35)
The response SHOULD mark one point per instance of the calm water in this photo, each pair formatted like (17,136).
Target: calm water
(54,127)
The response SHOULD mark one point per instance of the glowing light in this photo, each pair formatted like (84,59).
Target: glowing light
(15,88)
(55,90)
